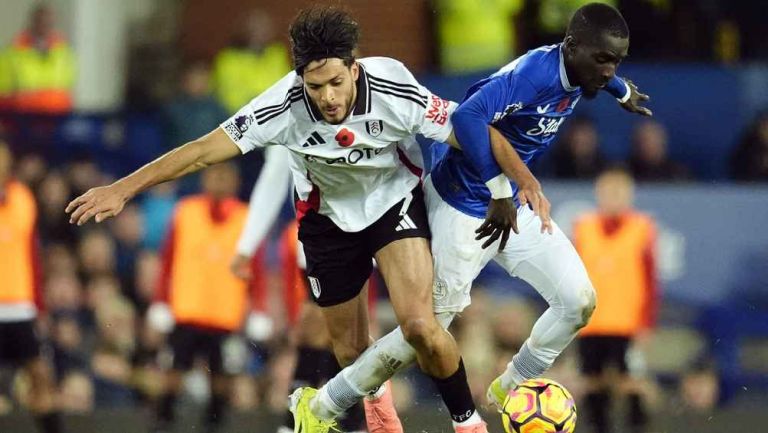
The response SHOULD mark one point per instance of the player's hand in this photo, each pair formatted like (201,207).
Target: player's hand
(99,203)
(529,193)
(500,219)
(635,98)
(241,267)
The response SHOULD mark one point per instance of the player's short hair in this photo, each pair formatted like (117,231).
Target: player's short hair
(593,20)
(323,32)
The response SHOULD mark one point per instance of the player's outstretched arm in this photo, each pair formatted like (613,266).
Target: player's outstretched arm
(631,99)
(529,190)
(107,201)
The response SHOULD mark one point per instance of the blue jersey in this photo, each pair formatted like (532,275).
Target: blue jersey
(527,101)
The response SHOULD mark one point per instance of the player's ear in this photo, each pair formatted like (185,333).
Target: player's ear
(569,45)
(354,68)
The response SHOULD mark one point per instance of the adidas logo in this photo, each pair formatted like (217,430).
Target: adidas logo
(390,364)
(405,224)
(313,140)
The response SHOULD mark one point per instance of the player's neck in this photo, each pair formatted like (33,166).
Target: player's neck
(570,75)
(352,101)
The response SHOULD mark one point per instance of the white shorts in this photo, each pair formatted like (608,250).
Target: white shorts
(543,260)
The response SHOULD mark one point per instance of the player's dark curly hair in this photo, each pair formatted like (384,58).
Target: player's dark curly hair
(592,20)
(323,32)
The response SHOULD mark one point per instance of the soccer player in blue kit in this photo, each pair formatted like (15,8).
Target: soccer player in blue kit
(486,190)
(526,101)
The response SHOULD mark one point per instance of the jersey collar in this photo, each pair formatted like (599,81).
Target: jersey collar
(563,74)
(362,105)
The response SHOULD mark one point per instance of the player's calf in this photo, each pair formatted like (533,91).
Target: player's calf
(347,352)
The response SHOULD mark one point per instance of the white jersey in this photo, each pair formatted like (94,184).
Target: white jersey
(355,171)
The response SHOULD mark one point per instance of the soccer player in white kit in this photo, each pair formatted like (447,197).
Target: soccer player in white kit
(349,125)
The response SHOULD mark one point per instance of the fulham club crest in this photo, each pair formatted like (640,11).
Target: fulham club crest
(374,127)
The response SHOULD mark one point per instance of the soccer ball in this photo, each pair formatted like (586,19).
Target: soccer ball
(539,406)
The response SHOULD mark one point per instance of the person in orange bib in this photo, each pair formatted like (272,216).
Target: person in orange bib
(199,299)
(617,245)
(20,294)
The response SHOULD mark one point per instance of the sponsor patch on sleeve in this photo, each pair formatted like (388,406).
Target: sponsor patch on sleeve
(237,127)
(437,112)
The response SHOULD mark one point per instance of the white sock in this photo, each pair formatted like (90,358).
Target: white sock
(323,407)
(385,357)
(510,378)
(528,363)
(472,420)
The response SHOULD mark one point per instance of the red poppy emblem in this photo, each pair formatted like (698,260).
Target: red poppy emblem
(345,137)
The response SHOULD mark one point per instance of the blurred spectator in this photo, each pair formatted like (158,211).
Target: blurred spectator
(128,231)
(63,293)
(53,194)
(69,349)
(578,154)
(83,174)
(96,253)
(110,361)
(59,259)
(198,297)
(194,111)
(475,38)
(617,246)
(649,160)
(37,71)
(20,294)
(147,273)
(749,161)
(111,377)
(31,169)
(101,289)
(156,209)
(700,387)
(76,393)
(251,63)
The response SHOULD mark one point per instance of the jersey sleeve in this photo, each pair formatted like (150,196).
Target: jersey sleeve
(619,89)
(501,95)
(267,197)
(426,114)
(264,120)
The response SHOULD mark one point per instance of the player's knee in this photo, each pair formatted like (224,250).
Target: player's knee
(584,305)
(420,332)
